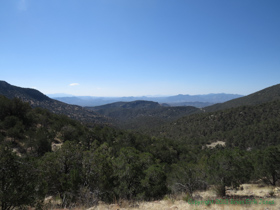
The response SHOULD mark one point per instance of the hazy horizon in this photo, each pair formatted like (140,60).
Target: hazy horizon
(155,96)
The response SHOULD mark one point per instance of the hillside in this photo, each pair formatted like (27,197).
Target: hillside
(142,115)
(244,126)
(268,94)
(37,99)
(43,154)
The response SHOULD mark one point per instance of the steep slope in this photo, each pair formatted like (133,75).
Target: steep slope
(38,99)
(142,115)
(268,94)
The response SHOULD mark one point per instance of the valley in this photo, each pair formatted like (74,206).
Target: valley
(138,151)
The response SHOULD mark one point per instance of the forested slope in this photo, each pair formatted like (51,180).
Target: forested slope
(266,95)
(244,127)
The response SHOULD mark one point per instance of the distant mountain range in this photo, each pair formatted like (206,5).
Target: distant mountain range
(38,99)
(178,100)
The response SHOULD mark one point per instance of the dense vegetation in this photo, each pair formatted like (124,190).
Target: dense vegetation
(103,163)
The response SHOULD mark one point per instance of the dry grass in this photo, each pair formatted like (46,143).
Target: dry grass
(255,190)
(247,192)
(183,205)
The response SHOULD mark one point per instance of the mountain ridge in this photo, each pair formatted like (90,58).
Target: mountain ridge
(37,99)
(262,96)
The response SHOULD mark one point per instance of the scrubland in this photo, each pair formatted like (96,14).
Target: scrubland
(246,197)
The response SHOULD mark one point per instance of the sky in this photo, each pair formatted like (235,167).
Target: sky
(140,47)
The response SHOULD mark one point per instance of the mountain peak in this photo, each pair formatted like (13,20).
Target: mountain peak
(4,83)
(25,94)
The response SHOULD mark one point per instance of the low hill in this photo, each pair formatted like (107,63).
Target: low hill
(266,95)
(140,104)
(141,115)
(37,99)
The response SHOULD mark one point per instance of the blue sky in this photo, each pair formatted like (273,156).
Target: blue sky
(140,47)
